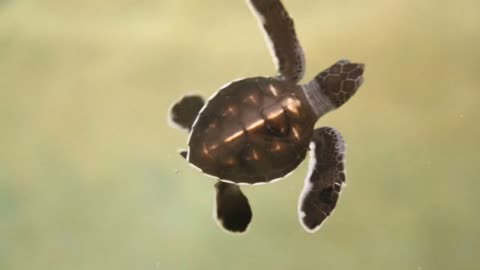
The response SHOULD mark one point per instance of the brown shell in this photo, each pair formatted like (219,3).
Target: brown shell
(253,130)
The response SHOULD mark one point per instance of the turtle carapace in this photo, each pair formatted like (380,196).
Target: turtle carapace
(256,130)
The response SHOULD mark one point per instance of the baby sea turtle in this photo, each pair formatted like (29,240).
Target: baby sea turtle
(257,130)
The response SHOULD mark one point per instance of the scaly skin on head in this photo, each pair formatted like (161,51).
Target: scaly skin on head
(334,86)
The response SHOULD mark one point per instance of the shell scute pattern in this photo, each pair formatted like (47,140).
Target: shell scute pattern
(255,135)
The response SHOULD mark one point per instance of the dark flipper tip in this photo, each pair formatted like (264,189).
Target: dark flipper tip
(184,112)
(233,210)
(183,153)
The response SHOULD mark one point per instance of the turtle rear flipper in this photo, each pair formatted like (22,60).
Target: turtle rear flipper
(280,33)
(184,112)
(232,207)
(233,210)
(325,179)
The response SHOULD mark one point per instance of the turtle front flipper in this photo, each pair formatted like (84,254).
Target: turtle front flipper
(280,34)
(325,178)
(184,112)
(233,210)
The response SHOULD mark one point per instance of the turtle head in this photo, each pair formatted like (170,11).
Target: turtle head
(335,85)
